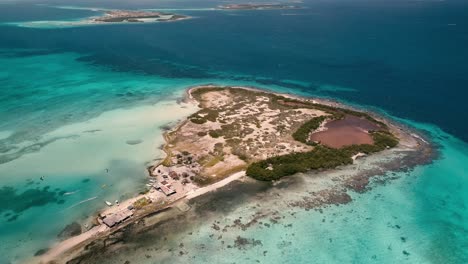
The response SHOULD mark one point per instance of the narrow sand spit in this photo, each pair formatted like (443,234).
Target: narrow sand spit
(68,245)
(214,186)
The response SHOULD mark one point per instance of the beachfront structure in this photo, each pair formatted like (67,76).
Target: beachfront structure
(117,218)
(166,190)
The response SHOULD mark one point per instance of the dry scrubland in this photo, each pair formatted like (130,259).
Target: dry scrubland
(264,133)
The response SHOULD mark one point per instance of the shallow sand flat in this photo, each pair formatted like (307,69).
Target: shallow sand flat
(108,132)
(5,134)
(80,176)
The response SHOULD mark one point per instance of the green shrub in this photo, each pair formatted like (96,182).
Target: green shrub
(215,133)
(277,167)
(204,115)
(302,133)
(321,157)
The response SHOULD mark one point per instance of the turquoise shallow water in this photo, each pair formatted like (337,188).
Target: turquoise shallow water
(68,122)
(71,100)
(72,159)
(428,204)
(418,217)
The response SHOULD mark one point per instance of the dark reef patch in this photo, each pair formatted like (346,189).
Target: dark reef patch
(229,197)
(11,200)
(243,243)
(70,230)
(134,141)
(41,252)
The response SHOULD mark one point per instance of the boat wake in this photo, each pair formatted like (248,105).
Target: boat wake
(81,202)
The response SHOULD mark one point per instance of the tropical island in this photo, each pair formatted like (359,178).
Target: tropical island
(270,136)
(108,17)
(120,16)
(246,134)
(258,6)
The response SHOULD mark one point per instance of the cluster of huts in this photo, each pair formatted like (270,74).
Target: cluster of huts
(183,170)
(162,186)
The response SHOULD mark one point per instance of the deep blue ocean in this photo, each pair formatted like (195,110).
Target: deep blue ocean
(405,58)
(408,57)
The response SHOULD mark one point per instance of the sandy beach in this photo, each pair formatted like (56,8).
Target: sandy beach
(102,230)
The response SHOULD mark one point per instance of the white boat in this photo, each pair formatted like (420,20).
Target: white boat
(108,203)
(117,202)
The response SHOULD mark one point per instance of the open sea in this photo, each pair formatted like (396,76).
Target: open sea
(75,101)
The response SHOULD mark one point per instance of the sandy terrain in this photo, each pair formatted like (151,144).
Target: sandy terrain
(234,128)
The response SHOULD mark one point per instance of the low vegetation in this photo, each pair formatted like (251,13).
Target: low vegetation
(142,202)
(234,131)
(302,134)
(204,116)
(321,157)
(277,167)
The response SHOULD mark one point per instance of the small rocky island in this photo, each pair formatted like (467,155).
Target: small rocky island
(120,16)
(244,137)
(258,6)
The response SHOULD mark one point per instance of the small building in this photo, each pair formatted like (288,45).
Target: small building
(167,191)
(117,218)
(174,175)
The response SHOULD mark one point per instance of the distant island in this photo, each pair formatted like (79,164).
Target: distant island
(119,16)
(243,133)
(258,6)
(107,17)
(110,17)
